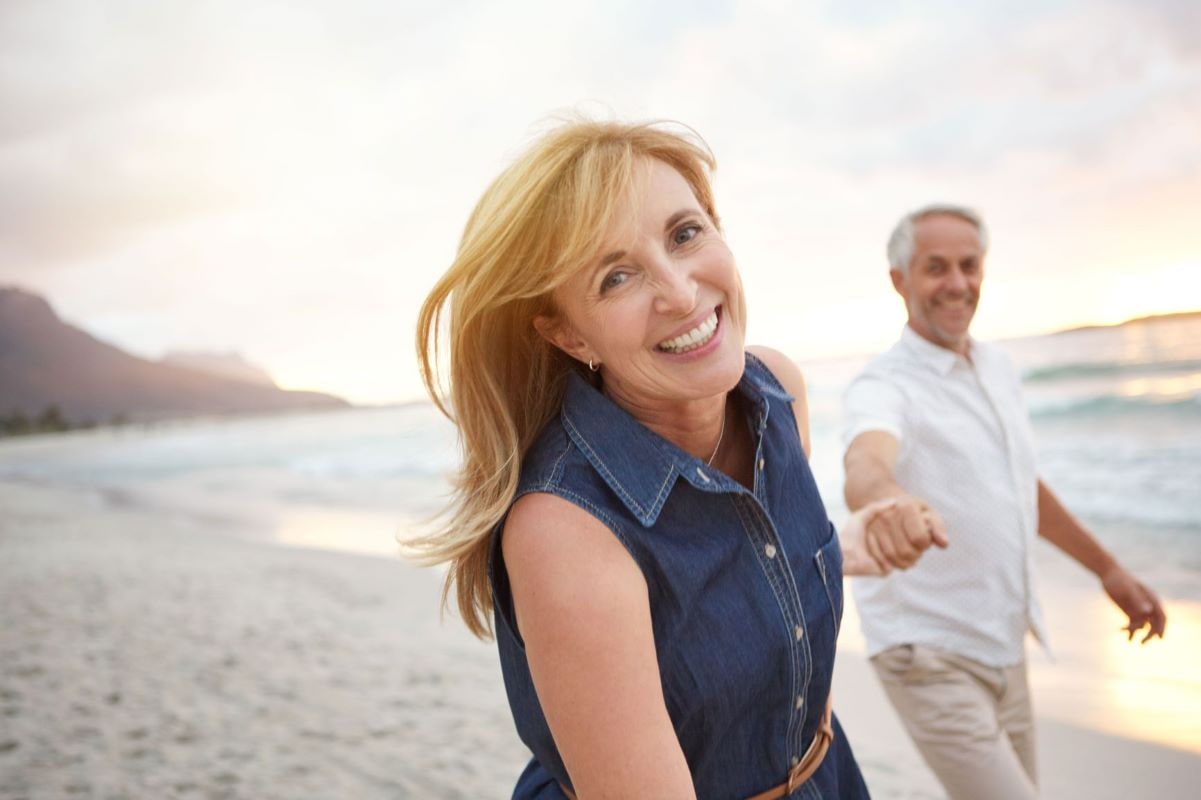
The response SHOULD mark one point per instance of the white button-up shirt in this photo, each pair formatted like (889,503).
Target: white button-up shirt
(966,448)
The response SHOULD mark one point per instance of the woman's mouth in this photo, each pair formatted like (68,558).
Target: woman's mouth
(691,340)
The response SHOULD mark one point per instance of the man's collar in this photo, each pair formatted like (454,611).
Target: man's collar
(940,359)
(640,466)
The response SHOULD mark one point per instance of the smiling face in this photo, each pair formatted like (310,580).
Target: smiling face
(942,287)
(660,307)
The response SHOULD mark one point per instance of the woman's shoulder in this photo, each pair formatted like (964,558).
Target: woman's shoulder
(782,369)
(787,375)
(557,554)
(545,525)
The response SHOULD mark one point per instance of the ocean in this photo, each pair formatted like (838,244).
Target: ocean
(1116,413)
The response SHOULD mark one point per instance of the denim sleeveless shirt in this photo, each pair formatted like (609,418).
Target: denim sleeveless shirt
(745,591)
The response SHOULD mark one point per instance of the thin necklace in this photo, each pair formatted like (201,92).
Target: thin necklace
(720,433)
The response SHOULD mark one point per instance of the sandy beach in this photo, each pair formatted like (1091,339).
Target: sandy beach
(145,656)
(155,655)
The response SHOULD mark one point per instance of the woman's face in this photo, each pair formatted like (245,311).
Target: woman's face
(660,307)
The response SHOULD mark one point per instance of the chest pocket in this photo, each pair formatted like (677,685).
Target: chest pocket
(828,560)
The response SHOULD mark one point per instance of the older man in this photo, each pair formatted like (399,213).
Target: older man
(938,423)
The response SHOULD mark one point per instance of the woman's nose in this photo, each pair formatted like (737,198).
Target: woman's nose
(677,289)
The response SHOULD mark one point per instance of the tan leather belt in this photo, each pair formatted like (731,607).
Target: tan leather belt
(802,771)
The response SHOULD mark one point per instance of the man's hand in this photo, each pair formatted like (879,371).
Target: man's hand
(855,558)
(890,534)
(1137,602)
(897,536)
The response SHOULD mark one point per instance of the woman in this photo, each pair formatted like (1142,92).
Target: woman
(635,506)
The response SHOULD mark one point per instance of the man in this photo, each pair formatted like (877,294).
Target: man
(938,423)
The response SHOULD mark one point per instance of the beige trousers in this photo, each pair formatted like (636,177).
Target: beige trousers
(972,723)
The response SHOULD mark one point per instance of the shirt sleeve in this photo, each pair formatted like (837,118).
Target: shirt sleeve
(872,403)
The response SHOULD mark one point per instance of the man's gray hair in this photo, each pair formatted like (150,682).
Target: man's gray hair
(900,243)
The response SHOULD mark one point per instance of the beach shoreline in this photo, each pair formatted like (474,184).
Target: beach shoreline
(155,655)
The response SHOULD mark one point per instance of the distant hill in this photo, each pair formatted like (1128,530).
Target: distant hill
(1180,316)
(45,361)
(223,365)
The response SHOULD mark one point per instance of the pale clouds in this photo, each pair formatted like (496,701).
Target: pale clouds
(288,179)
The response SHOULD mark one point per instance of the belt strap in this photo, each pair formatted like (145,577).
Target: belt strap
(802,771)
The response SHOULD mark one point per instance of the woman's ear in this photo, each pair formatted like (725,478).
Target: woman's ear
(562,335)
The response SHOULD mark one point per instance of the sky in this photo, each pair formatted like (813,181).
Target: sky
(288,180)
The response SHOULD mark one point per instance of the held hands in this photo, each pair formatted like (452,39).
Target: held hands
(889,534)
(1137,602)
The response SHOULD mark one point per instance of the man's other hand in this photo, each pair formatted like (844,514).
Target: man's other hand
(1137,602)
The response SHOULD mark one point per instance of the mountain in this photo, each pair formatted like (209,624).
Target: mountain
(1179,316)
(45,361)
(223,365)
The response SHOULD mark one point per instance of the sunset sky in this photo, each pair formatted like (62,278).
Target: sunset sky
(287,180)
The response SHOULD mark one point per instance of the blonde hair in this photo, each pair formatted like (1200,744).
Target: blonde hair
(538,223)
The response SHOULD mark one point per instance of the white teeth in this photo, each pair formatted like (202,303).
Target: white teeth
(693,338)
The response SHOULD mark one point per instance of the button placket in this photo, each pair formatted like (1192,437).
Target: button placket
(758,485)
(762,535)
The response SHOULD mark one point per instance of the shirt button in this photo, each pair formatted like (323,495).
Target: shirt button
(798,632)
(794,761)
(770,550)
(762,463)
(800,702)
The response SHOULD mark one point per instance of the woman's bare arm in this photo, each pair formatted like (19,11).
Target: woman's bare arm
(583,610)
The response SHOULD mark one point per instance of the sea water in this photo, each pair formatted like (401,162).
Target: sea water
(1116,414)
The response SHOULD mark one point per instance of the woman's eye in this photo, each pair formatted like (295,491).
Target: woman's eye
(686,233)
(613,280)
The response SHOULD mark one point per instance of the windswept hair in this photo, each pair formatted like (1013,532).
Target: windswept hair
(539,222)
(901,243)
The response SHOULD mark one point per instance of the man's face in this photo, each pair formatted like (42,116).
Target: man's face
(942,287)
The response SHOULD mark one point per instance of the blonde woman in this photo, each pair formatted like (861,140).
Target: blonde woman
(635,507)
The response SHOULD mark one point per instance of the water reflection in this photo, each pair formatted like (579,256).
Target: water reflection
(1099,680)
(1166,387)
(1154,691)
(365,532)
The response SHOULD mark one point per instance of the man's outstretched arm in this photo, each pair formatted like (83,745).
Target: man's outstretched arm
(896,535)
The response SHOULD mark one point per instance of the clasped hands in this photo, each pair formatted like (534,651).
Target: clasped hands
(890,534)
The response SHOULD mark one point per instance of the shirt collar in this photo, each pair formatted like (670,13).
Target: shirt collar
(640,466)
(936,357)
